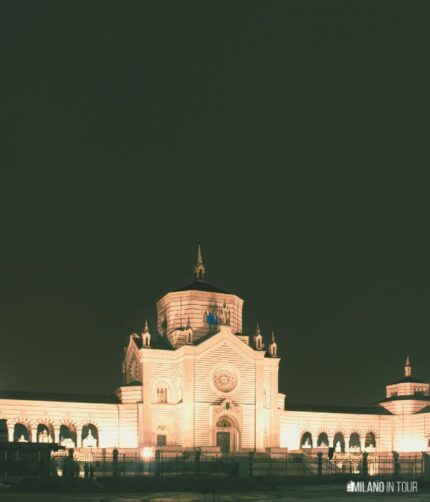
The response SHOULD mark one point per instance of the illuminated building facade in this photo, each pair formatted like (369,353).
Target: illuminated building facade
(199,381)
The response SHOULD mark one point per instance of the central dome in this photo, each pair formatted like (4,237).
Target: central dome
(199,308)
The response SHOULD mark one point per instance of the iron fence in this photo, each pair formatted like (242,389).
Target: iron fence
(112,463)
(251,465)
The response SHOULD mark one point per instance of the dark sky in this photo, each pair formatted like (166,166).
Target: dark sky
(290,138)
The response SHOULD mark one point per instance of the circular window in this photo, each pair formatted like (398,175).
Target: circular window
(224,379)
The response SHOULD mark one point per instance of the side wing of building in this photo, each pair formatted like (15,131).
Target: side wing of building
(43,417)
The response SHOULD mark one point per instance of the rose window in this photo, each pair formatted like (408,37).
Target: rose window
(224,379)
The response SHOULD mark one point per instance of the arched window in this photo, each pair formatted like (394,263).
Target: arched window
(322,441)
(306,441)
(67,436)
(43,434)
(134,370)
(164,391)
(90,436)
(354,441)
(339,442)
(3,430)
(21,433)
(161,393)
(370,441)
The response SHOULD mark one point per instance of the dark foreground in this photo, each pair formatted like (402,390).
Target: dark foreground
(182,490)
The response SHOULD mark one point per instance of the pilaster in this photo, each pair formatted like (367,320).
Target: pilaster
(259,405)
(146,419)
(188,399)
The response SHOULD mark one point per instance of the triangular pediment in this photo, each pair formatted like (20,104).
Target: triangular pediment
(226,337)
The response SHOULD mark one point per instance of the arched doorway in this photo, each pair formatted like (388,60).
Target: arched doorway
(339,442)
(90,436)
(322,440)
(21,433)
(306,440)
(226,434)
(68,435)
(370,441)
(354,442)
(161,435)
(44,434)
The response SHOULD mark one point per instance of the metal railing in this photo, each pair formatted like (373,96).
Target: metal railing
(124,463)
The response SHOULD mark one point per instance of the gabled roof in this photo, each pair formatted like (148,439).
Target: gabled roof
(200,286)
(58,396)
(328,408)
(225,334)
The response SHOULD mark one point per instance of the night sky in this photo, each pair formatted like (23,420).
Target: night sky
(290,138)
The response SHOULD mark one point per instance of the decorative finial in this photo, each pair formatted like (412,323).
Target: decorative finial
(199,269)
(146,329)
(273,336)
(408,367)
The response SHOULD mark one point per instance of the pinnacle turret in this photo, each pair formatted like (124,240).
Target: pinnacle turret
(408,367)
(199,269)
(258,339)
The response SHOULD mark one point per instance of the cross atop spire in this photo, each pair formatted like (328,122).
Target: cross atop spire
(199,269)
(408,367)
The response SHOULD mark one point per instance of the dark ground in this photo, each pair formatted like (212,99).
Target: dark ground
(226,490)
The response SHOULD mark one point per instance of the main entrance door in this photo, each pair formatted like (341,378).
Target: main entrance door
(223,441)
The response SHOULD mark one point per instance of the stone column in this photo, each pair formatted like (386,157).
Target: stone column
(330,441)
(33,433)
(10,429)
(56,433)
(362,444)
(78,437)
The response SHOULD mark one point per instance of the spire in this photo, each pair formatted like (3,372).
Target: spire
(408,367)
(199,269)
(257,330)
(273,337)
(146,329)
